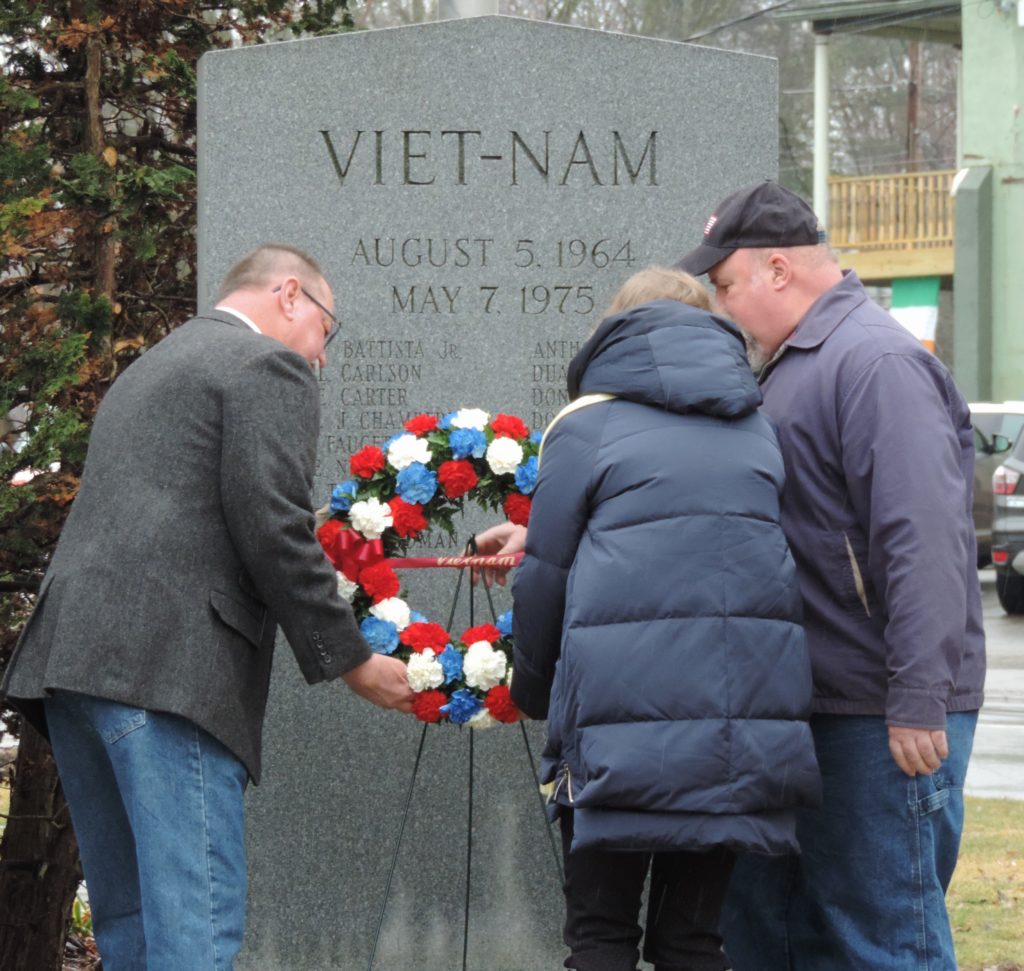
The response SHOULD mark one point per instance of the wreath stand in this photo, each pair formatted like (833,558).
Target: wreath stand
(461,563)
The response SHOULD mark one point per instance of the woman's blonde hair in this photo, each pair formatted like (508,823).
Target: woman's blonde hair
(660,283)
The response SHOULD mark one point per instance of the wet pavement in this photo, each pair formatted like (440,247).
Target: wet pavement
(997,764)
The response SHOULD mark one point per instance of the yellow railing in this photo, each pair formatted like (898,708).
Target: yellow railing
(891,212)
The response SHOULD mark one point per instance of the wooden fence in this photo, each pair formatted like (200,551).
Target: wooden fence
(891,212)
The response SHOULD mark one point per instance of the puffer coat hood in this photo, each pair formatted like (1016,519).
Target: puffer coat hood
(640,356)
(657,617)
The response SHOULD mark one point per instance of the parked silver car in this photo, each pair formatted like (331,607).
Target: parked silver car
(1008,529)
(996,427)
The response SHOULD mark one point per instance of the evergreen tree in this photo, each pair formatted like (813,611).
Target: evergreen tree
(97,263)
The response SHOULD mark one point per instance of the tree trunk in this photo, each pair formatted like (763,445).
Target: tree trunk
(106,263)
(39,868)
(913,104)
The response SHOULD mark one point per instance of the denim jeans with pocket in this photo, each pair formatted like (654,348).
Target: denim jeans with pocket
(157,806)
(868,890)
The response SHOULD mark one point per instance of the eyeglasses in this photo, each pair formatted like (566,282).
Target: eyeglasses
(335,323)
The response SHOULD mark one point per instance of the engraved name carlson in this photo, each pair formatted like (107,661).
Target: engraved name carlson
(462,156)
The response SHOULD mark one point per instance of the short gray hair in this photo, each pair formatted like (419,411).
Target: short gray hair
(262,264)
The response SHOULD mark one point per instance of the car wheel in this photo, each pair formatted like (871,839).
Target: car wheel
(1010,589)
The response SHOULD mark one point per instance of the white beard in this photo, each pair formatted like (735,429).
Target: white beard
(755,353)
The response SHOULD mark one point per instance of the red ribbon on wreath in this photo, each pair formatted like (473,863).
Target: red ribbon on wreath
(348,550)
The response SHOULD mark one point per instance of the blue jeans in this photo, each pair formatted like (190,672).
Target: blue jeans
(157,808)
(868,890)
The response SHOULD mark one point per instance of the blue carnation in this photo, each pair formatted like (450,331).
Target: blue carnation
(526,475)
(451,661)
(504,623)
(380,634)
(342,496)
(446,421)
(468,441)
(416,483)
(462,706)
(415,617)
(537,437)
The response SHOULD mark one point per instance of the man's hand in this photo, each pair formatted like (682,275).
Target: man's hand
(917,751)
(382,681)
(323,514)
(503,538)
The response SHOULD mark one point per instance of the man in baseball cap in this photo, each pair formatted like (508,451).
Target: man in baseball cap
(877,510)
(760,216)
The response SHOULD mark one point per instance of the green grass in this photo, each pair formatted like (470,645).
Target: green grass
(986,898)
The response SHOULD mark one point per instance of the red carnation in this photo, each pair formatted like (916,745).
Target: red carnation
(426,706)
(421,424)
(500,705)
(423,635)
(517,509)
(366,462)
(379,581)
(457,478)
(408,517)
(484,632)
(508,426)
(328,532)
(328,535)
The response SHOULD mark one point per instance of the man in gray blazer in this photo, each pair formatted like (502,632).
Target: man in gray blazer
(147,659)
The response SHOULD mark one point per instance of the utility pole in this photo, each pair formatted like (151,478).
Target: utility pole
(455,9)
(821,127)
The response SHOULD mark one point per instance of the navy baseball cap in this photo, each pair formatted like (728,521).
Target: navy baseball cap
(761,216)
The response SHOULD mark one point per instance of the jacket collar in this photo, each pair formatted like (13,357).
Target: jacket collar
(828,312)
(823,317)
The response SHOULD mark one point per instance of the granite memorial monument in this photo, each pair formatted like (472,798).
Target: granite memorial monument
(476,191)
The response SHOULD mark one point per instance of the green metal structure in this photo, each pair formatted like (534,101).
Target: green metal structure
(988,284)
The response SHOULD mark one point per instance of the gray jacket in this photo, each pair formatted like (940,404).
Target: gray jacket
(190,540)
(879,458)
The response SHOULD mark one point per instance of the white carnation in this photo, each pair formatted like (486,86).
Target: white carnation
(470,418)
(346,588)
(504,456)
(371,517)
(424,672)
(483,667)
(406,449)
(394,609)
(482,719)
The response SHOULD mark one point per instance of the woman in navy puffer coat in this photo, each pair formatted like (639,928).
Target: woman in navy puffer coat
(657,627)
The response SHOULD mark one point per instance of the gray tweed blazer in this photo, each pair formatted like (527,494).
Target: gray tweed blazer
(191,539)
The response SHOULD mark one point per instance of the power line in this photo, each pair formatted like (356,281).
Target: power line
(739,20)
(870,87)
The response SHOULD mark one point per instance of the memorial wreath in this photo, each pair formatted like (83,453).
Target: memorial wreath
(416,480)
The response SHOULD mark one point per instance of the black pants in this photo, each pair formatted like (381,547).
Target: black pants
(602,904)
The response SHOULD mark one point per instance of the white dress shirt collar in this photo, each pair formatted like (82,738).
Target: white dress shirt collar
(238,313)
